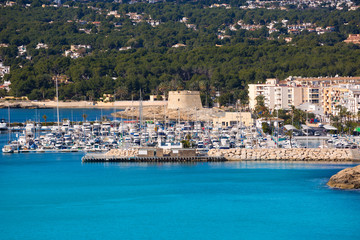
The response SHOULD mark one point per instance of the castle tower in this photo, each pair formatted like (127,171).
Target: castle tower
(184,100)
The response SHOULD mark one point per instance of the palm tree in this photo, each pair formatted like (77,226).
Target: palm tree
(289,134)
(84,117)
(342,113)
(44,117)
(260,108)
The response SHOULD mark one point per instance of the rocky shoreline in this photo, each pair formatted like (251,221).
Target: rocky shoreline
(349,178)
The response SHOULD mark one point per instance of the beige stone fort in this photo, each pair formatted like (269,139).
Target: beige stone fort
(189,100)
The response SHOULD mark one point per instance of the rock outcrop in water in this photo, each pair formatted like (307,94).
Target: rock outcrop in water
(348,178)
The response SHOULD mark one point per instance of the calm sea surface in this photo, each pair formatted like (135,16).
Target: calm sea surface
(55,196)
(22,115)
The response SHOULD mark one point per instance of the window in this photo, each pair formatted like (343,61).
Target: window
(233,123)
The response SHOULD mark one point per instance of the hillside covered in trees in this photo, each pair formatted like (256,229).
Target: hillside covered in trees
(168,46)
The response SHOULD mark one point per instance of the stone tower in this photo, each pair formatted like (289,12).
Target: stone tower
(184,100)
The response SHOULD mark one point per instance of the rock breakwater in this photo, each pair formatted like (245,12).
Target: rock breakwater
(294,154)
(122,152)
(131,152)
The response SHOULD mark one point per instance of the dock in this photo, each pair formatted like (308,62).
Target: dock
(96,158)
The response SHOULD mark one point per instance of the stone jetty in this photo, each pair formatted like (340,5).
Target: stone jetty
(129,152)
(294,154)
(122,152)
(349,178)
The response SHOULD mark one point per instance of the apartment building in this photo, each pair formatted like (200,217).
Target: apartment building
(325,92)
(259,89)
(277,95)
(322,81)
(344,95)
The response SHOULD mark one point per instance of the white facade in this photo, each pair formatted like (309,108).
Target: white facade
(276,96)
(260,89)
(4,69)
(351,98)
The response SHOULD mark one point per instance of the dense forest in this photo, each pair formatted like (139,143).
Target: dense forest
(214,56)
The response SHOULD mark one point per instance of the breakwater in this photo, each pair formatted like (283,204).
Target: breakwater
(216,155)
(294,154)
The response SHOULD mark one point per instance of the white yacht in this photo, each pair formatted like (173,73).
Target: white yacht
(8,148)
(3,125)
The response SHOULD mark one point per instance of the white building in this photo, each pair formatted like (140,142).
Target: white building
(324,92)
(4,69)
(21,50)
(276,96)
(346,95)
(41,45)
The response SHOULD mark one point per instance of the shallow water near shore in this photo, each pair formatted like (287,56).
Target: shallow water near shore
(55,196)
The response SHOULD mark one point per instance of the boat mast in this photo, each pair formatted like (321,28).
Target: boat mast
(57,104)
(141,116)
(9,130)
(141,111)
(114,112)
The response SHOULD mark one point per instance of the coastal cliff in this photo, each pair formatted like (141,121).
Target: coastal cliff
(349,178)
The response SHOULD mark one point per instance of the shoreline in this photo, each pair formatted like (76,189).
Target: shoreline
(78,104)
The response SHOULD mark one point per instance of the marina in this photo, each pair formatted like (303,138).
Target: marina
(102,136)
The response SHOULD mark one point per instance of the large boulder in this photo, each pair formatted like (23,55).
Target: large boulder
(349,178)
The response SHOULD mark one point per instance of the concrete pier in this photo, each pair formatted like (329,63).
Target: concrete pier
(91,157)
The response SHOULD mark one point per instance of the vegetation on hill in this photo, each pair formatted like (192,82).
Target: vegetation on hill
(215,58)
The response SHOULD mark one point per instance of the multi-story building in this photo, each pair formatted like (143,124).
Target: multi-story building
(325,92)
(276,95)
(259,89)
(322,81)
(342,95)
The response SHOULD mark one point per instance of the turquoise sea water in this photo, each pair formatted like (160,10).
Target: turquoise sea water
(55,196)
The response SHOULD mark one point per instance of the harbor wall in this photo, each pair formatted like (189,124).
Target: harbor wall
(293,154)
(277,154)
